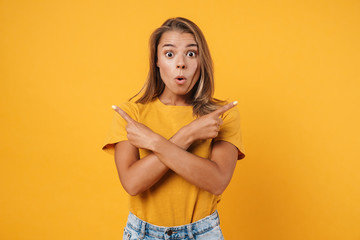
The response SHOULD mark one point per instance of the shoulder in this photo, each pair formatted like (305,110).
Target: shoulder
(135,110)
(131,108)
(233,114)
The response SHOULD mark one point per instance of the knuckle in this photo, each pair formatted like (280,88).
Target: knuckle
(214,135)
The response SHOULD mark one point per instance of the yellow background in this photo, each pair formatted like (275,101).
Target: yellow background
(292,65)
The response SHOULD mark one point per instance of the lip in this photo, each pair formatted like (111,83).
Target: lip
(180,77)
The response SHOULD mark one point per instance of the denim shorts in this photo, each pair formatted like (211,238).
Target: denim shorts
(207,228)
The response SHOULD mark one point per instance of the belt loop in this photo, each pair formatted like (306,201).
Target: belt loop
(218,217)
(189,230)
(143,228)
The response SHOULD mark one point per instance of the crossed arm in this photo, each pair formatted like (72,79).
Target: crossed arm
(137,175)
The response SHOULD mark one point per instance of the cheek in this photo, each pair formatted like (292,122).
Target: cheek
(164,65)
(195,67)
(196,70)
(165,71)
(196,75)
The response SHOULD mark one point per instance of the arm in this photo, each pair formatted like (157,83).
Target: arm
(212,175)
(137,175)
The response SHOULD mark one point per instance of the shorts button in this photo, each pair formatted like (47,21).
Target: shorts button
(169,232)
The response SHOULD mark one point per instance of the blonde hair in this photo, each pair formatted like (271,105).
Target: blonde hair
(201,95)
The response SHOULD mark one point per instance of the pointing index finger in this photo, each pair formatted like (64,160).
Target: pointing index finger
(123,114)
(225,108)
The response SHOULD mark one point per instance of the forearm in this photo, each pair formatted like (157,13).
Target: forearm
(147,171)
(204,173)
(212,175)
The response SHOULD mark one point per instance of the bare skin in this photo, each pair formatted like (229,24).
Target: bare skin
(177,56)
(179,68)
(137,175)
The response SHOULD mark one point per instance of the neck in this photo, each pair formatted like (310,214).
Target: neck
(173,100)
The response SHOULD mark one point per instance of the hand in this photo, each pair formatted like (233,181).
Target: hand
(138,134)
(208,126)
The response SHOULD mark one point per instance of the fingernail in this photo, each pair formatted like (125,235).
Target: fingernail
(113,106)
(235,102)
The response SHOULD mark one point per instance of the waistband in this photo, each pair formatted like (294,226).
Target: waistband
(176,232)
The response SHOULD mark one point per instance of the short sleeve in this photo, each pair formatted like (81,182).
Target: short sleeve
(230,130)
(117,132)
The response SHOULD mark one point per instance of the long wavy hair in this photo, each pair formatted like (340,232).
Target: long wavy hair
(201,95)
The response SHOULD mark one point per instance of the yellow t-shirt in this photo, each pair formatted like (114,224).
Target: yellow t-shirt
(173,201)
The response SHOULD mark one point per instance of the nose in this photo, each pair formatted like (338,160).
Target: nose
(180,63)
(180,66)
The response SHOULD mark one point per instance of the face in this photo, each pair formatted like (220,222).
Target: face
(178,63)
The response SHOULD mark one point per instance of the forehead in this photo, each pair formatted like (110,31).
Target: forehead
(176,38)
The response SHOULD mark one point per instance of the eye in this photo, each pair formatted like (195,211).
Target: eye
(191,54)
(169,54)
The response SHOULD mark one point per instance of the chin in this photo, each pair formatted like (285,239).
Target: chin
(181,93)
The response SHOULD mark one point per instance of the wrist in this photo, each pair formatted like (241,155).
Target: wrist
(182,138)
(156,143)
(188,136)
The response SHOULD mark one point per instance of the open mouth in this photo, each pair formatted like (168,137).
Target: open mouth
(180,80)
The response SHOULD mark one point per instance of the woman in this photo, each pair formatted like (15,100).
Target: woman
(176,147)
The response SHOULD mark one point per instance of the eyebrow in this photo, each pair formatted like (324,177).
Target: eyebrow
(172,45)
